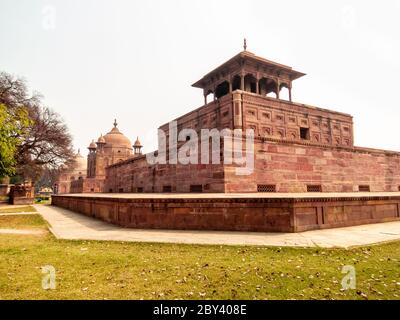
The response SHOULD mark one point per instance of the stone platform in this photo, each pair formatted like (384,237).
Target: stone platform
(261,212)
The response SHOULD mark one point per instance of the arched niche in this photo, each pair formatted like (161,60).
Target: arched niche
(222,89)
(236,80)
(206,96)
(284,92)
(250,83)
(268,87)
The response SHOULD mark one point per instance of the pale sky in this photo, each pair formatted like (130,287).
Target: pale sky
(136,60)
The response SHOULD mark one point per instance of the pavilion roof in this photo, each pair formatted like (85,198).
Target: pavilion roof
(246,55)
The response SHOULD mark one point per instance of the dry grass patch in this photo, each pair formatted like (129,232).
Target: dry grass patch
(11,209)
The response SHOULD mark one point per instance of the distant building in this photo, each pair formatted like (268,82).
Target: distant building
(68,175)
(114,147)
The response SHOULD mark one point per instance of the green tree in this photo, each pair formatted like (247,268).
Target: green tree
(13,125)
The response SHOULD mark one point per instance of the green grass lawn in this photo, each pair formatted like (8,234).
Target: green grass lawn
(11,209)
(33,221)
(115,270)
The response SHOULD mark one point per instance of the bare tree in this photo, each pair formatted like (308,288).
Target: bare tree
(45,141)
(14,93)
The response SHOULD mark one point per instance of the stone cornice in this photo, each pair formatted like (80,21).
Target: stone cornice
(254,200)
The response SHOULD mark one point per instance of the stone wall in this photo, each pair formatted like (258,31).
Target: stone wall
(136,175)
(292,166)
(279,119)
(87,185)
(288,166)
(21,194)
(261,214)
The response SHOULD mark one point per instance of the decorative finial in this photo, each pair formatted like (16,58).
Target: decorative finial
(115,123)
(245,44)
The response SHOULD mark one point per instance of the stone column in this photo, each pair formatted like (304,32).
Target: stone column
(290,93)
(277,88)
(215,96)
(237,111)
(242,82)
(258,86)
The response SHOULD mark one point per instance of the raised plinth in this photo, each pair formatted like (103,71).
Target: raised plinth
(236,212)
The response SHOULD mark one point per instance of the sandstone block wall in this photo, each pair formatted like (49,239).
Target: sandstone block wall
(137,175)
(235,214)
(279,119)
(291,167)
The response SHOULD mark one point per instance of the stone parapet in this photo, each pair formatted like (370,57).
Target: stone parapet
(244,212)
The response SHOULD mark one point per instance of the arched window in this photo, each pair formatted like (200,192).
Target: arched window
(272,94)
(268,87)
(250,83)
(236,83)
(222,89)
(284,92)
(208,93)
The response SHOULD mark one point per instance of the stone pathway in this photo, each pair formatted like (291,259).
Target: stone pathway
(66,224)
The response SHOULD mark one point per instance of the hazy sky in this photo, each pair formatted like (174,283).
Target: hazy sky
(136,60)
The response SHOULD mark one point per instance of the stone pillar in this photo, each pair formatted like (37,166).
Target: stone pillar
(237,111)
(290,93)
(242,82)
(205,99)
(277,88)
(230,86)
(258,86)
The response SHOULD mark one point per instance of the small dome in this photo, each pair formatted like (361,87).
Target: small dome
(101,139)
(116,139)
(92,145)
(137,143)
(80,162)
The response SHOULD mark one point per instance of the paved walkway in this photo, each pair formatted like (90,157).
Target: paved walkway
(66,224)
